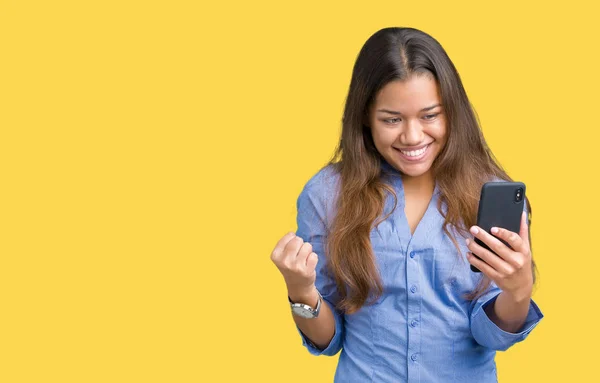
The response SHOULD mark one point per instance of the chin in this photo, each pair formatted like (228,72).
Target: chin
(413,170)
(415,174)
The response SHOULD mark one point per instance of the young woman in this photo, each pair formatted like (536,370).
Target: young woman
(379,266)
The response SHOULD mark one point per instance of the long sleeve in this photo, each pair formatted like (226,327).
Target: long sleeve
(311,219)
(488,334)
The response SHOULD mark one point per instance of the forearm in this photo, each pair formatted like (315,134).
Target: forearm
(509,313)
(319,330)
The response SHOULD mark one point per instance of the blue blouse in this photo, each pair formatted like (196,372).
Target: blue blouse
(422,329)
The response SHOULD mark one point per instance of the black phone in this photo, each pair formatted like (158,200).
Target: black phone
(500,205)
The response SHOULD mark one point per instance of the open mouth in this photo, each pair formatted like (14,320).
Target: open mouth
(415,154)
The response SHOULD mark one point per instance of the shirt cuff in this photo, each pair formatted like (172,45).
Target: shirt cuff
(335,345)
(488,334)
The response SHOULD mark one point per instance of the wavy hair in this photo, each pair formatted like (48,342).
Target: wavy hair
(462,167)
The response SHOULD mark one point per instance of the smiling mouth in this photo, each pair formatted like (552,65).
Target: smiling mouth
(415,153)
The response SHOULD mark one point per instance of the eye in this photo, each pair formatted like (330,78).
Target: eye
(394,120)
(431,116)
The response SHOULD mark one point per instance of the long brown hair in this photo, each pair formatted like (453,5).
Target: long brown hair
(460,170)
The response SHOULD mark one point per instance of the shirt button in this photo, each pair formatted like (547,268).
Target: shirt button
(413,289)
(414,357)
(414,323)
(413,254)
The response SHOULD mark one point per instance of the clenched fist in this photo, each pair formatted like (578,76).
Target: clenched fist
(297,262)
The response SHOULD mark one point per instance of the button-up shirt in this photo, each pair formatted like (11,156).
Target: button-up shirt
(423,328)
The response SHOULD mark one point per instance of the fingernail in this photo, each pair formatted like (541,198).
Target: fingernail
(468,241)
(474,230)
(494,230)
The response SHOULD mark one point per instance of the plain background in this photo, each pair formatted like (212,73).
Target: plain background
(151,154)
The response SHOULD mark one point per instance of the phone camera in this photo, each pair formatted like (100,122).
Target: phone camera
(519,195)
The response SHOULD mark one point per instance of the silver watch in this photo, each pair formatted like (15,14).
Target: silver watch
(306,311)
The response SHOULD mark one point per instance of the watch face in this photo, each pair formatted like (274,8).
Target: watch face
(302,312)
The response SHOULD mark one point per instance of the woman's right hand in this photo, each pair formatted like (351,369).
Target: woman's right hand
(297,263)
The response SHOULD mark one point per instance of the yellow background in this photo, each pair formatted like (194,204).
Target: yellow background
(152,153)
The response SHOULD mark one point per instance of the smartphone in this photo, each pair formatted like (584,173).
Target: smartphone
(501,205)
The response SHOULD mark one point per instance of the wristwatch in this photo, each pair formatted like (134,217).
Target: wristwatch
(306,311)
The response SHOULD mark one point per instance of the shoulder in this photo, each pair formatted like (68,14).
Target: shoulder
(318,197)
(324,183)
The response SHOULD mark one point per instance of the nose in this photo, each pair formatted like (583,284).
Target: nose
(412,134)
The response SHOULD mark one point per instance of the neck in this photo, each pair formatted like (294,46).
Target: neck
(421,184)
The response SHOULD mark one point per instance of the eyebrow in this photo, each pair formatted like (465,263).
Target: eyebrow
(398,113)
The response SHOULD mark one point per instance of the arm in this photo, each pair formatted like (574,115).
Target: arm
(487,329)
(319,331)
(305,274)
(506,314)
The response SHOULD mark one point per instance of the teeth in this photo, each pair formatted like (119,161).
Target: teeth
(414,153)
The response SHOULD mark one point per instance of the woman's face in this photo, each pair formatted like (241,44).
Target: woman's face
(408,124)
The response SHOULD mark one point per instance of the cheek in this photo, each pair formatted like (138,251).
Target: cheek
(439,132)
(383,138)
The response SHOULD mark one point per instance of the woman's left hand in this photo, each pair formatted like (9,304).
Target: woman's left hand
(511,268)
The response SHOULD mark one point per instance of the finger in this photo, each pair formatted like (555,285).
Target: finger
(303,253)
(291,250)
(483,267)
(492,242)
(278,250)
(524,232)
(311,261)
(487,256)
(513,239)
